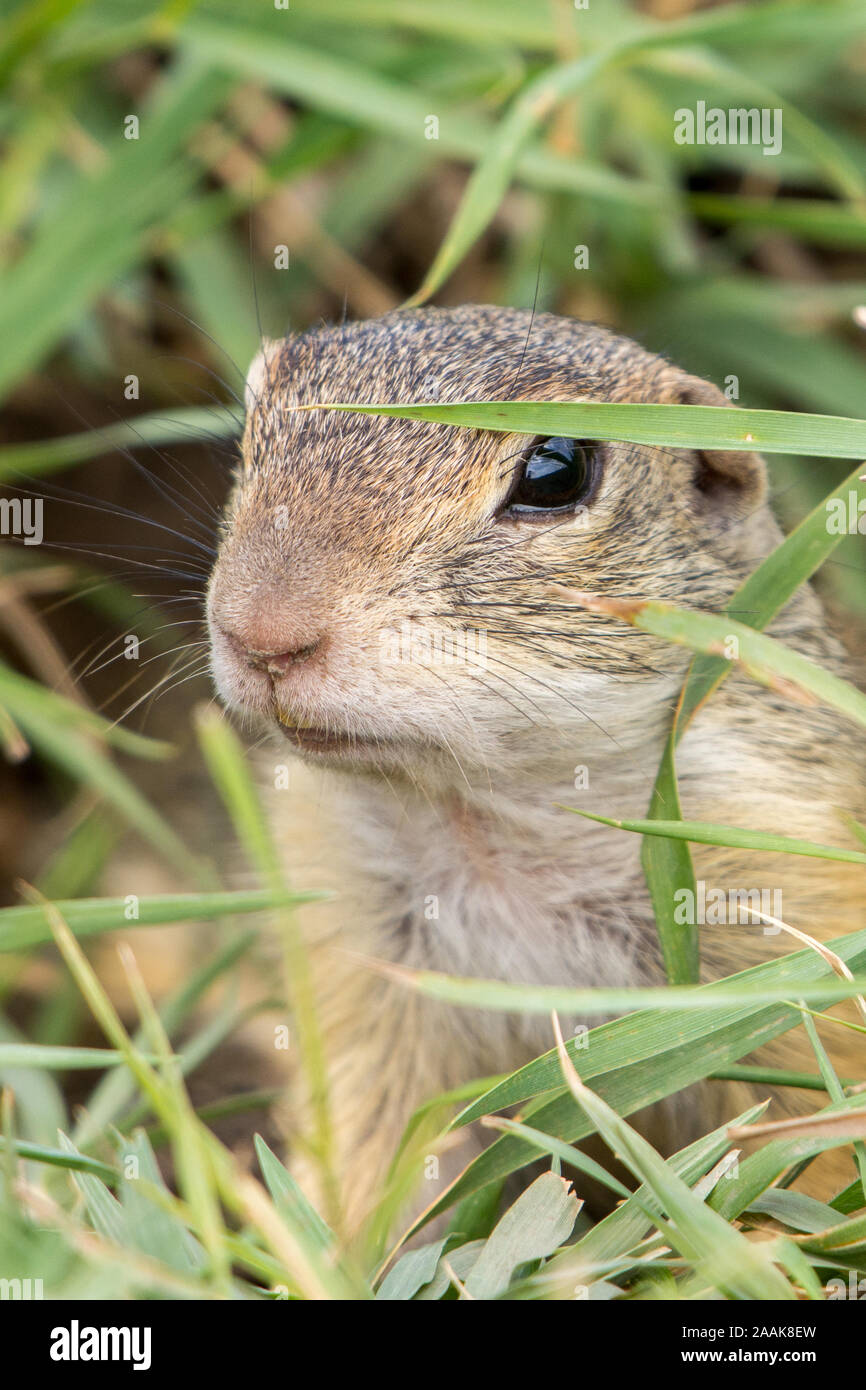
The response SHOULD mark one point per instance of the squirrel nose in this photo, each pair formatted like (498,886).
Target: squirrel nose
(278,663)
(278,658)
(267,630)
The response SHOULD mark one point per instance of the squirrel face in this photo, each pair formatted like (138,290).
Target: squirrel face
(382,587)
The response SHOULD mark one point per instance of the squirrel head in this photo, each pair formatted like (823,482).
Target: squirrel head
(382,586)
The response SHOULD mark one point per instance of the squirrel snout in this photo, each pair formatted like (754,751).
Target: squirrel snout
(266,632)
(276,662)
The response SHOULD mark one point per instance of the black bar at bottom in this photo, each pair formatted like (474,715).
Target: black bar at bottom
(59,1340)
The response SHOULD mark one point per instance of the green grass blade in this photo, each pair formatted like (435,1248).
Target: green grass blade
(772,584)
(62,1158)
(734,1264)
(703,833)
(637,1060)
(531,1229)
(765,659)
(566,1153)
(667,866)
(117,1088)
(362,96)
(104,221)
(469,991)
(187,424)
(288,1198)
(822,150)
(57,1058)
(668,426)
(23,927)
(411,1272)
(104,1210)
(618,1232)
(493,173)
(667,863)
(152,1230)
(759,1170)
(26,699)
(77,755)
(825,223)
(231,773)
(535,104)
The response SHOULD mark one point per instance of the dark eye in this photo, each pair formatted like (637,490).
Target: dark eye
(554,476)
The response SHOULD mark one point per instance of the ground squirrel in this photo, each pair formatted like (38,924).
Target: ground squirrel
(357,550)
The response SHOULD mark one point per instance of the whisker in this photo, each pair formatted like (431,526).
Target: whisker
(559,695)
(55,492)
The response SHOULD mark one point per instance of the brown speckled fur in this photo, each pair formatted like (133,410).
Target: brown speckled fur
(343,525)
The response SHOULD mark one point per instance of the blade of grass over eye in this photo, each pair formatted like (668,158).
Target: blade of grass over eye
(702,833)
(668,426)
(184,425)
(23,927)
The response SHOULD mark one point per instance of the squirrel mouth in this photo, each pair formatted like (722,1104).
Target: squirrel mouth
(309,738)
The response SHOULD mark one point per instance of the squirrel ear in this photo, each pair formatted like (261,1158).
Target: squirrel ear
(259,374)
(729,485)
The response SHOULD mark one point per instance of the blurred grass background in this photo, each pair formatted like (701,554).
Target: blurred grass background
(308,127)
